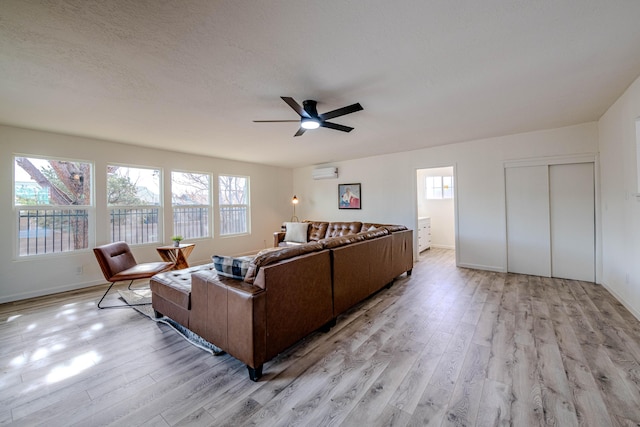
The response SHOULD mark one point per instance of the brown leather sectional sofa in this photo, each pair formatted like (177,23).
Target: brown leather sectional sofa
(296,290)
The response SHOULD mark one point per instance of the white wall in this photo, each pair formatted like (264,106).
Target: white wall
(270,188)
(388,195)
(389,186)
(620,207)
(441,211)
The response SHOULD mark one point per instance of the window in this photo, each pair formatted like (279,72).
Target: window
(133,198)
(190,197)
(439,187)
(638,157)
(234,204)
(52,199)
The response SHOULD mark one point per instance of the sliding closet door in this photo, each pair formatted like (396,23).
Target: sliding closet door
(572,207)
(528,239)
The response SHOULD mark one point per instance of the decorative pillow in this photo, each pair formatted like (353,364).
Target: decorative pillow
(227,266)
(296,232)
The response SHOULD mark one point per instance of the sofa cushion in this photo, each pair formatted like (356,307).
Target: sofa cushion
(337,229)
(369,226)
(374,233)
(266,251)
(235,268)
(296,232)
(317,230)
(394,228)
(288,244)
(271,255)
(336,242)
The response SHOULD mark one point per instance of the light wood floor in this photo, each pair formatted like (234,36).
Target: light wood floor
(446,346)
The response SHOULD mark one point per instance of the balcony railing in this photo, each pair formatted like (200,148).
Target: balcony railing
(134,225)
(191,222)
(233,220)
(44,231)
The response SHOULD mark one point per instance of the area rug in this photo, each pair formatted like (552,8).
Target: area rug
(143,296)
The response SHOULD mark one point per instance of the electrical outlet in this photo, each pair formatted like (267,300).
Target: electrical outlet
(79,270)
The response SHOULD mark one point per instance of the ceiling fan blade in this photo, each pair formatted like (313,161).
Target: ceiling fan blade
(336,126)
(300,131)
(341,111)
(296,107)
(274,121)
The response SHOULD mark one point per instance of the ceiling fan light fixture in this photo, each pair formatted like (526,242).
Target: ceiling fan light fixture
(310,119)
(310,123)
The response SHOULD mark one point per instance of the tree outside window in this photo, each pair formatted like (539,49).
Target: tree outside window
(191,201)
(52,198)
(233,204)
(133,197)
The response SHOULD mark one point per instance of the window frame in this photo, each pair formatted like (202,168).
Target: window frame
(637,123)
(158,216)
(247,206)
(88,207)
(208,207)
(441,188)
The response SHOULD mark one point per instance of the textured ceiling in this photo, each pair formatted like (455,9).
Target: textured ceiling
(192,75)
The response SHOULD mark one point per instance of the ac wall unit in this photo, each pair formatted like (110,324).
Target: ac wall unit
(325,173)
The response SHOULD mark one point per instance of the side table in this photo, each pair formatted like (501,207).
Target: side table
(176,254)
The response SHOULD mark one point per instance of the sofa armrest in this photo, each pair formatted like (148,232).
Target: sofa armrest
(278,237)
(230,314)
(402,252)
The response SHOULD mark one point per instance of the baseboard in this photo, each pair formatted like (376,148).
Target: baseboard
(632,310)
(483,267)
(48,291)
(443,246)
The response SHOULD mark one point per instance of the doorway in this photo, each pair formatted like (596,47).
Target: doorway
(435,208)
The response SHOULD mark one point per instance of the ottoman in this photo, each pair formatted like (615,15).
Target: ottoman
(171,292)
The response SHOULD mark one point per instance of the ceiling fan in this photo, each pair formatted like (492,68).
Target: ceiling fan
(310,119)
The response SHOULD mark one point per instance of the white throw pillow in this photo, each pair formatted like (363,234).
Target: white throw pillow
(296,232)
